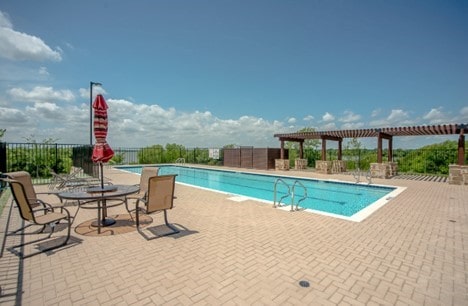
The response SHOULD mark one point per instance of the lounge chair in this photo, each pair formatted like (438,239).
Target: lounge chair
(60,181)
(160,197)
(76,178)
(146,173)
(36,212)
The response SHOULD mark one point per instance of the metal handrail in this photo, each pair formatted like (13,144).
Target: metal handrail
(293,195)
(283,197)
(357,175)
(369,177)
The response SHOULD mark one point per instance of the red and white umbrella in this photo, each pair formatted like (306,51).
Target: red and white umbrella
(102,152)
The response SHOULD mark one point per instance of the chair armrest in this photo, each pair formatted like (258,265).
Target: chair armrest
(55,193)
(50,208)
(46,206)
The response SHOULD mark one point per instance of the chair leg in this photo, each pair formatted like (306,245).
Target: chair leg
(25,227)
(174,230)
(68,219)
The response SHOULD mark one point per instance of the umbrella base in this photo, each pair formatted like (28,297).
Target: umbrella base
(103,222)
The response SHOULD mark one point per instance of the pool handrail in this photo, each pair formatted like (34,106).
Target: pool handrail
(369,177)
(279,180)
(180,160)
(357,175)
(296,182)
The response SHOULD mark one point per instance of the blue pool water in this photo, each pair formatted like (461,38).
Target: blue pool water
(337,198)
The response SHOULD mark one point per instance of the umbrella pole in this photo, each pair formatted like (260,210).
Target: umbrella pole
(102,176)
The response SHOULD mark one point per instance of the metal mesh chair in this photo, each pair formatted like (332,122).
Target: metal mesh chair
(36,212)
(146,173)
(160,197)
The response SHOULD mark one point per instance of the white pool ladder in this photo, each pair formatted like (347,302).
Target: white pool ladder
(291,192)
(180,160)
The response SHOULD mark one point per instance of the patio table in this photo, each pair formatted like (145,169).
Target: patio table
(100,196)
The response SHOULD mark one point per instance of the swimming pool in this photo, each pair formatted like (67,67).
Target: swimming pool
(344,200)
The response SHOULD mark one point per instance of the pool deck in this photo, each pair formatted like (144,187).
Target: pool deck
(412,251)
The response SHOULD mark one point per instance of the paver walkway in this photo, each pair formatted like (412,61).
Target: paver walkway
(413,251)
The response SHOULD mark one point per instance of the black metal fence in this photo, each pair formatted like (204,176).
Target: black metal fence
(38,159)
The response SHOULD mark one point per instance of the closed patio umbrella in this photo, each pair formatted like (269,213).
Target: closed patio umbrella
(102,152)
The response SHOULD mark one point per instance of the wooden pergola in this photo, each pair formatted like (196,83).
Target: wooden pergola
(381,134)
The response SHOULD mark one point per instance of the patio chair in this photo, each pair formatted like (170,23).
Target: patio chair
(36,212)
(25,178)
(146,173)
(160,197)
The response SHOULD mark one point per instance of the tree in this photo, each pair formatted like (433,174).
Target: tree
(151,155)
(308,143)
(354,148)
(2,132)
(117,159)
(310,147)
(173,152)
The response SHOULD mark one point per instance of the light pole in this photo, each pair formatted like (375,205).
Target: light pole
(91,84)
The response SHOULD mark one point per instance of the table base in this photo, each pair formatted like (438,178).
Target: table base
(124,224)
(105,222)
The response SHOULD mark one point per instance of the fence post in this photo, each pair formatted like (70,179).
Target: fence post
(3,157)
(56,158)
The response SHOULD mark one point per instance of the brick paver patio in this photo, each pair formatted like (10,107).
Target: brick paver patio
(413,251)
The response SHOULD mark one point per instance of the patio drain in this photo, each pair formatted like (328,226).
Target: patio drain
(304,284)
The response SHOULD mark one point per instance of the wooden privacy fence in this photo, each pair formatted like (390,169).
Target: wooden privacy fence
(252,158)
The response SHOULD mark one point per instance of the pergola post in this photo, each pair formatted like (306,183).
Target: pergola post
(379,148)
(324,148)
(282,149)
(340,149)
(301,149)
(461,148)
(390,149)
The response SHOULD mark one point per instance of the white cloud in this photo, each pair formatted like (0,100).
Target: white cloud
(464,113)
(292,120)
(137,125)
(436,116)
(397,115)
(84,92)
(328,127)
(328,117)
(45,110)
(15,45)
(41,94)
(5,21)
(12,117)
(43,71)
(352,126)
(349,117)
(308,118)
(375,113)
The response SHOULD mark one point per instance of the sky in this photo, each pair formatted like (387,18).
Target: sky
(206,73)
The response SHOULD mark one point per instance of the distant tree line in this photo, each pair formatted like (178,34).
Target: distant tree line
(39,158)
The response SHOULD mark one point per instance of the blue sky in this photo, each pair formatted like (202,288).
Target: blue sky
(210,73)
